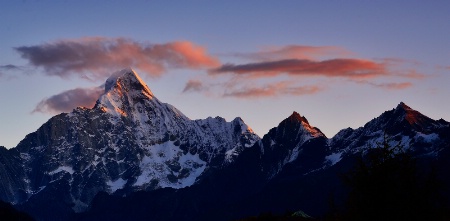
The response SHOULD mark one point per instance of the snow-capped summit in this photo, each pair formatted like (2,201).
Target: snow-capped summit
(128,141)
(124,90)
(127,79)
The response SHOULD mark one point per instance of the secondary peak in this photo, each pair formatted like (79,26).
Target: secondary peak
(295,116)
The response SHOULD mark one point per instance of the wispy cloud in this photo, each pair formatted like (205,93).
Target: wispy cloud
(413,74)
(395,86)
(273,90)
(295,52)
(4,69)
(194,86)
(390,85)
(317,63)
(96,57)
(345,68)
(68,100)
(9,67)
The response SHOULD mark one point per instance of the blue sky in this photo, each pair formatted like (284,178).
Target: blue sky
(338,63)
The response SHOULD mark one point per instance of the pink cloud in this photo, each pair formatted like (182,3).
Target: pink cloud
(186,54)
(97,57)
(316,63)
(68,100)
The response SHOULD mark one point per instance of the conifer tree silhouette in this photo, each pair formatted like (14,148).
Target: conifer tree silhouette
(386,185)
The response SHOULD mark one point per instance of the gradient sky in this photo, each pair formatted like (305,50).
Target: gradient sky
(338,63)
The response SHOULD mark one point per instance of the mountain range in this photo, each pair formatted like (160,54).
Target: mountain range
(132,157)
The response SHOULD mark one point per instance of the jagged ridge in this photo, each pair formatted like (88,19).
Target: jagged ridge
(131,141)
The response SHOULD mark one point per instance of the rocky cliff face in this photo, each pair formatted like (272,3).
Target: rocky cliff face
(11,173)
(129,141)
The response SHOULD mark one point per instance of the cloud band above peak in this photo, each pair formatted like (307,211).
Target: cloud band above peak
(97,57)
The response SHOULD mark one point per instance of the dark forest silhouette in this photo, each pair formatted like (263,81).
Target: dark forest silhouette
(388,184)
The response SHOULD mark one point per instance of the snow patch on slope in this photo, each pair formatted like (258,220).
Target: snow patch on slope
(428,138)
(67,169)
(167,164)
(116,184)
(333,158)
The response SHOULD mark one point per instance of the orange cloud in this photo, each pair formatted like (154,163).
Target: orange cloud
(272,90)
(345,68)
(97,57)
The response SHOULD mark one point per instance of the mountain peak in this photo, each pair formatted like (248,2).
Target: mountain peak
(295,122)
(409,114)
(244,127)
(403,106)
(413,117)
(296,117)
(123,89)
(126,80)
